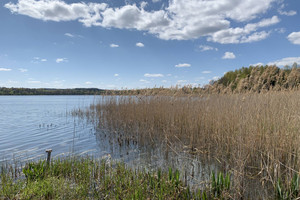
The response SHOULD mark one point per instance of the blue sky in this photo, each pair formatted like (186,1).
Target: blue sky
(115,44)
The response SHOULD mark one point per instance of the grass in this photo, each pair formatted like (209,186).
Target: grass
(254,136)
(87,178)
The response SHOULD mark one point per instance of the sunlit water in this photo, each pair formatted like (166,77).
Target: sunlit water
(31,124)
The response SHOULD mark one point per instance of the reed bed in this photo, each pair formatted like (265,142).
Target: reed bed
(255,137)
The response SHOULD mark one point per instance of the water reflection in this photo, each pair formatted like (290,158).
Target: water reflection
(194,171)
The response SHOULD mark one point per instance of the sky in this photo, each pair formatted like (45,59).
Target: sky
(119,44)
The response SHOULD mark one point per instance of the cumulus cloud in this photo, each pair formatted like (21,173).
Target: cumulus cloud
(5,69)
(59,60)
(207,48)
(179,20)
(88,83)
(228,55)
(183,65)
(57,10)
(139,44)
(114,45)
(285,61)
(116,75)
(294,37)
(206,72)
(245,34)
(153,75)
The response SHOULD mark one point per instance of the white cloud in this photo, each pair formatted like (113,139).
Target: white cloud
(37,60)
(257,64)
(207,48)
(285,61)
(59,60)
(116,75)
(5,69)
(153,75)
(57,10)
(294,37)
(114,45)
(139,44)
(206,72)
(169,74)
(257,36)
(164,81)
(69,35)
(228,55)
(144,81)
(288,13)
(23,70)
(183,65)
(88,83)
(179,20)
(155,1)
(143,4)
(245,34)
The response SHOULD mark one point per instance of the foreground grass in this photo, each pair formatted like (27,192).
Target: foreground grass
(254,136)
(85,178)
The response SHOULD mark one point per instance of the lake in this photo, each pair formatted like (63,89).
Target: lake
(31,124)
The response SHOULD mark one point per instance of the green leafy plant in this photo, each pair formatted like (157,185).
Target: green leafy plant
(291,191)
(35,171)
(220,183)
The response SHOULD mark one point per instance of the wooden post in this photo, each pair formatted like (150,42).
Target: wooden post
(49,155)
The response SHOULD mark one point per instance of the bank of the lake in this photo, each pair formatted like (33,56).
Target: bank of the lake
(87,178)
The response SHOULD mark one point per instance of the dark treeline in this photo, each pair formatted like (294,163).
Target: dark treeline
(49,91)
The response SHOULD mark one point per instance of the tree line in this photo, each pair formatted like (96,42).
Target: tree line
(49,91)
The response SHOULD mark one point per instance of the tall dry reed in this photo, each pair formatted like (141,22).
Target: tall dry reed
(255,136)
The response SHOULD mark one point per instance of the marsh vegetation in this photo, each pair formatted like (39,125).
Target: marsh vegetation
(88,178)
(254,137)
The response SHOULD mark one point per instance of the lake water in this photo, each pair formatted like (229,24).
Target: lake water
(31,124)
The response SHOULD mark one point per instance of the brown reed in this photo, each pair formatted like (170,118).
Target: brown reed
(255,136)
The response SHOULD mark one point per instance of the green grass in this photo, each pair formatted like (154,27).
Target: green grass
(86,178)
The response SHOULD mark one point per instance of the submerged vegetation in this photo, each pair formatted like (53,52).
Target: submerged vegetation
(253,136)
